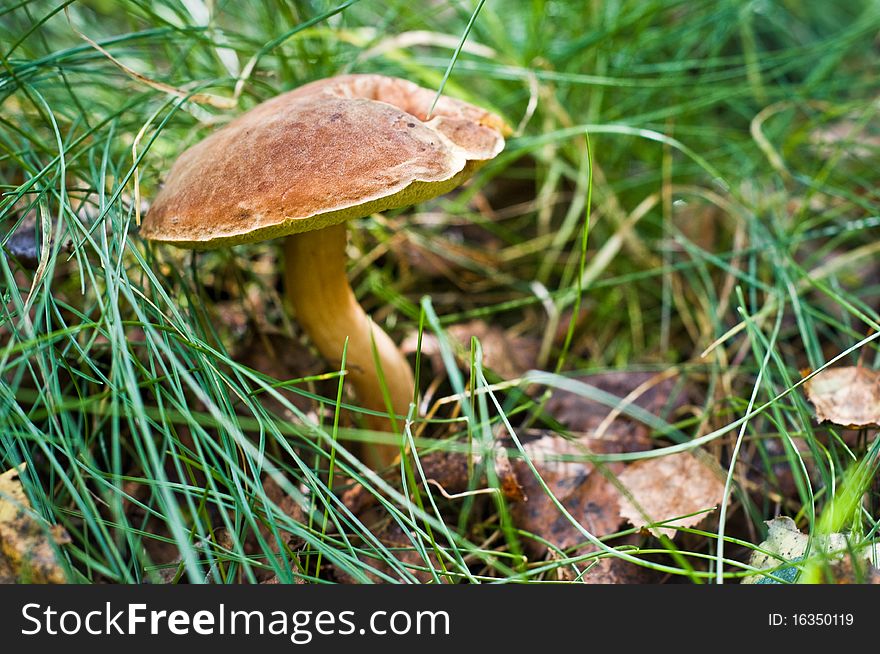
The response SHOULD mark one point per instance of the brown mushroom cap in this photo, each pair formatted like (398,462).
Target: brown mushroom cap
(329,151)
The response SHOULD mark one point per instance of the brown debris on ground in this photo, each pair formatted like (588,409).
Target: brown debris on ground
(589,492)
(283,358)
(678,486)
(584,492)
(656,393)
(287,506)
(508,356)
(391,536)
(27,554)
(614,570)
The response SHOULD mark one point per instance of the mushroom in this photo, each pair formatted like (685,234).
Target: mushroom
(302,164)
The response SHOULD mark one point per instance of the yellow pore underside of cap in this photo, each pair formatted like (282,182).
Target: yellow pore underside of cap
(330,151)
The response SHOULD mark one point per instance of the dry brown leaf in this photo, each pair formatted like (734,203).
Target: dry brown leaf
(848,396)
(584,492)
(26,551)
(666,488)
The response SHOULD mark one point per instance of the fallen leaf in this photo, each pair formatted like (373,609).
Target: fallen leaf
(507,355)
(586,494)
(669,489)
(584,491)
(848,396)
(26,551)
(786,543)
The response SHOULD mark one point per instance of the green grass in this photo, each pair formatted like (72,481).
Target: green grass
(681,132)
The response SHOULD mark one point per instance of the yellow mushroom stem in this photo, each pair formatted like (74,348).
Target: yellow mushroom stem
(325,306)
